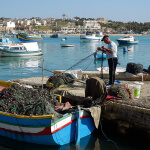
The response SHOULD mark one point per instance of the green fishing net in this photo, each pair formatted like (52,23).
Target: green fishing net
(120,91)
(21,100)
(62,79)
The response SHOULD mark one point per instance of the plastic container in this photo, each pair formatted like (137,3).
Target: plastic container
(137,91)
(131,89)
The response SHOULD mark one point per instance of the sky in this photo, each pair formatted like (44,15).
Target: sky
(115,10)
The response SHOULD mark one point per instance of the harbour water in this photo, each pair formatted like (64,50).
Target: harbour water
(62,58)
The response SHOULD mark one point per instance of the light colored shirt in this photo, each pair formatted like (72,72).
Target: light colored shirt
(112,45)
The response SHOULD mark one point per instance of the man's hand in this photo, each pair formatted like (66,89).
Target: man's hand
(99,49)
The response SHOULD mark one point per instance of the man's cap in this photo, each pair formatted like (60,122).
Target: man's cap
(105,36)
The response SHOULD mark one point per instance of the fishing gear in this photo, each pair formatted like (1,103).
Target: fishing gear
(79,62)
(60,74)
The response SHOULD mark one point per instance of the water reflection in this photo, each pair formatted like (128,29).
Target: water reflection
(18,62)
(128,47)
(87,142)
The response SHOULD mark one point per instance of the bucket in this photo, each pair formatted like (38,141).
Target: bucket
(131,89)
(137,91)
(125,49)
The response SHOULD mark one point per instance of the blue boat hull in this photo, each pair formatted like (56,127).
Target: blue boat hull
(24,38)
(42,130)
(99,56)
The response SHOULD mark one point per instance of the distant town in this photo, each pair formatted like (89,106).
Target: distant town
(76,25)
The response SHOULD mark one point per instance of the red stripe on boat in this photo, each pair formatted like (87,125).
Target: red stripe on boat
(46,131)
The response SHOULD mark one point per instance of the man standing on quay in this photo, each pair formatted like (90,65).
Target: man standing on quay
(111,56)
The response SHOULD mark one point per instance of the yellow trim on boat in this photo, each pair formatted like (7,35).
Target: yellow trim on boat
(27,117)
(5,84)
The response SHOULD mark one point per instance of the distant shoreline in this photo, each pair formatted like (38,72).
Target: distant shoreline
(107,34)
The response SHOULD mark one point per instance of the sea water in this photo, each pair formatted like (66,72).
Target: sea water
(80,56)
(62,58)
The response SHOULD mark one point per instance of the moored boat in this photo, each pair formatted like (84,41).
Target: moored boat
(21,49)
(92,37)
(99,55)
(43,129)
(67,45)
(27,38)
(127,40)
(54,35)
(48,126)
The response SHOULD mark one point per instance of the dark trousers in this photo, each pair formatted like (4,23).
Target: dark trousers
(112,63)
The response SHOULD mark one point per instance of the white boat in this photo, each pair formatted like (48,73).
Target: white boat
(21,49)
(92,37)
(63,39)
(67,45)
(127,40)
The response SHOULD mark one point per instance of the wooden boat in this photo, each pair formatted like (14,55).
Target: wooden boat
(45,129)
(99,55)
(67,45)
(21,49)
(18,145)
(26,38)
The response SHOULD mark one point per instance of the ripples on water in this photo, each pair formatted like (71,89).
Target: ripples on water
(61,58)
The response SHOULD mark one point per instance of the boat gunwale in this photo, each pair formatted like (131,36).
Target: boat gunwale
(26,117)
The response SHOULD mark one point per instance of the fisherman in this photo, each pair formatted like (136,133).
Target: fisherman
(111,56)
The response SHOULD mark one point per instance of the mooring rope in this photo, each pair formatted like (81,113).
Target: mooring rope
(79,62)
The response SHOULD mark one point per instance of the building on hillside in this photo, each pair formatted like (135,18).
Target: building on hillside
(10,26)
(91,25)
(102,20)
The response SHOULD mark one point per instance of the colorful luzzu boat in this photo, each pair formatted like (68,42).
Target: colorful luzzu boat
(44,130)
(26,38)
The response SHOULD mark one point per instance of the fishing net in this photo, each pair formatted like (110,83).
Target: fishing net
(62,79)
(134,68)
(21,100)
(120,91)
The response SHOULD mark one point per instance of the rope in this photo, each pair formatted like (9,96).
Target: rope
(89,64)
(80,61)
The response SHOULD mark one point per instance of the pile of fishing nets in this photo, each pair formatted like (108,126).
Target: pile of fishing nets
(134,68)
(59,80)
(21,100)
(120,91)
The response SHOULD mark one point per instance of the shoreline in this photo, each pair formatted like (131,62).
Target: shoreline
(107,34)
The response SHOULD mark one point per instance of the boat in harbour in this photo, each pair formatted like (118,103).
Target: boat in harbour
(54,35)
(21,49)
(98,55)
(23,37)
(67,45)
(92,37)
(43,129)
(46,129)
(127,40)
